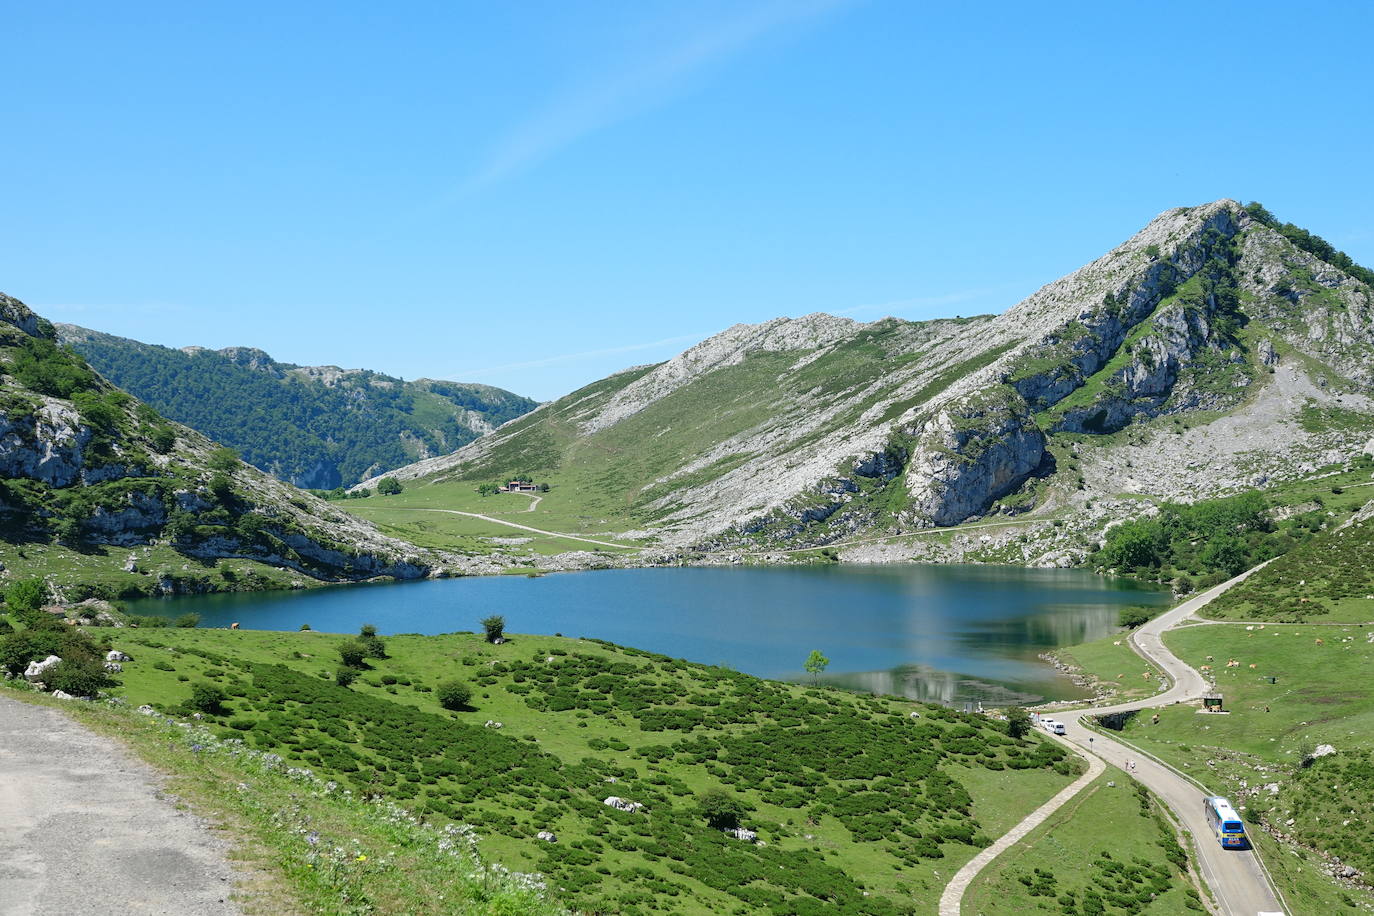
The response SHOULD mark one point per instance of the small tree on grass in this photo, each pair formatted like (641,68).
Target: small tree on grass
(206,698)
(495,625)
(78,677)
(1018,722)
(344,676)
(389,486)
(815,665)
(1133,616)
(371,642)
(223,459)
(454,695)
(721,809)
(188,621)
(26,595)
(353,654)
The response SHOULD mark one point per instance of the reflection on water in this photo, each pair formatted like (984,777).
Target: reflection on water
(945,633)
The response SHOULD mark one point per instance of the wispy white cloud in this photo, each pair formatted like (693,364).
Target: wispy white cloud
(563,358)
(620,95)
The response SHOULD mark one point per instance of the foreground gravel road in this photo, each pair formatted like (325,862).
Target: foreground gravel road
(84,828)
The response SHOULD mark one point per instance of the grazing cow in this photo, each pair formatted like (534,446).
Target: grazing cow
(234,625)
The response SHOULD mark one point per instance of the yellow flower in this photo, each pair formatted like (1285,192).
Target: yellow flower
(362,858)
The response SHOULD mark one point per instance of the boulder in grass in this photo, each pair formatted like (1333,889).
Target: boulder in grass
(547,836)
(623,804)
(114,655)
(35,671)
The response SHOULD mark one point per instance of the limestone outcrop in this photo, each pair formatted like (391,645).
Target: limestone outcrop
(816,429)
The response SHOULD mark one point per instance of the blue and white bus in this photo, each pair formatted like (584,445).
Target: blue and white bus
(1225,823)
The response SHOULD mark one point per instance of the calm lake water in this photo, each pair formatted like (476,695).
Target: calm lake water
(951,634)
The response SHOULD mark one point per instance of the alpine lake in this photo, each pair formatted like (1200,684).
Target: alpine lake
(959,634)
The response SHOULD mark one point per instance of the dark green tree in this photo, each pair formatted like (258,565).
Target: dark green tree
(80,677)
(26,595)
(454,695)
(389,486)
(721,809)
(223,459)
(495,627)
(353,653)
(371,642)
(1018,722)
(207,698)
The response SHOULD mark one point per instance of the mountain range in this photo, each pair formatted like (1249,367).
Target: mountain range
(1216,350)
(313,426)
(89,469)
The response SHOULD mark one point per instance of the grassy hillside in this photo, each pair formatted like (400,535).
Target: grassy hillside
(1110,850)
(109,498)
(1329,578)
(1320,695)
(858,804)
(1215,352)
(313,426)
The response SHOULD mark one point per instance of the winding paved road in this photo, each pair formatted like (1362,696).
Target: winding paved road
(1235,877)
(85,830)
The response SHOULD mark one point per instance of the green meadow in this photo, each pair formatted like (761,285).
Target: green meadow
(858,806)
(1108,851)
(1291,688)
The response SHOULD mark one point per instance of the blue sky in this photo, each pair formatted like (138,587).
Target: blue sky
(536,194)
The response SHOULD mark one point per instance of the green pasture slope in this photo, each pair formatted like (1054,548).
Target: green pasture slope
(1108,851)
(559,510)
(860,807)
(1327,579)
(1322,693)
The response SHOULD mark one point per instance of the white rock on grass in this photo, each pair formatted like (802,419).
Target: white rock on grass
(35,671)
(623,804)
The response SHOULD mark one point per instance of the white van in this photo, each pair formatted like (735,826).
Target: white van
(1052,726)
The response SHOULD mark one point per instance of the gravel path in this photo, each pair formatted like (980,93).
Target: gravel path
(86,830)
(954,891)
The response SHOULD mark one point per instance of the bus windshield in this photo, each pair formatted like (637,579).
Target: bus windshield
(1231,827)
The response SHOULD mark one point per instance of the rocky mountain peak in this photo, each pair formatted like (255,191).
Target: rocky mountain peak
(250,358)
(729,347)
(16,313)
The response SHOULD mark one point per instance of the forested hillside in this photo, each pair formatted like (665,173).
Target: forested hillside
(313,426)
(92,479)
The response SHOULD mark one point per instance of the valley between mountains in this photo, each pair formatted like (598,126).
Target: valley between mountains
(1194,403)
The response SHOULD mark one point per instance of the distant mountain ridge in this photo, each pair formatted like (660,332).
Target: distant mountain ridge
(86,466)
(313,426)
(1215,349)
